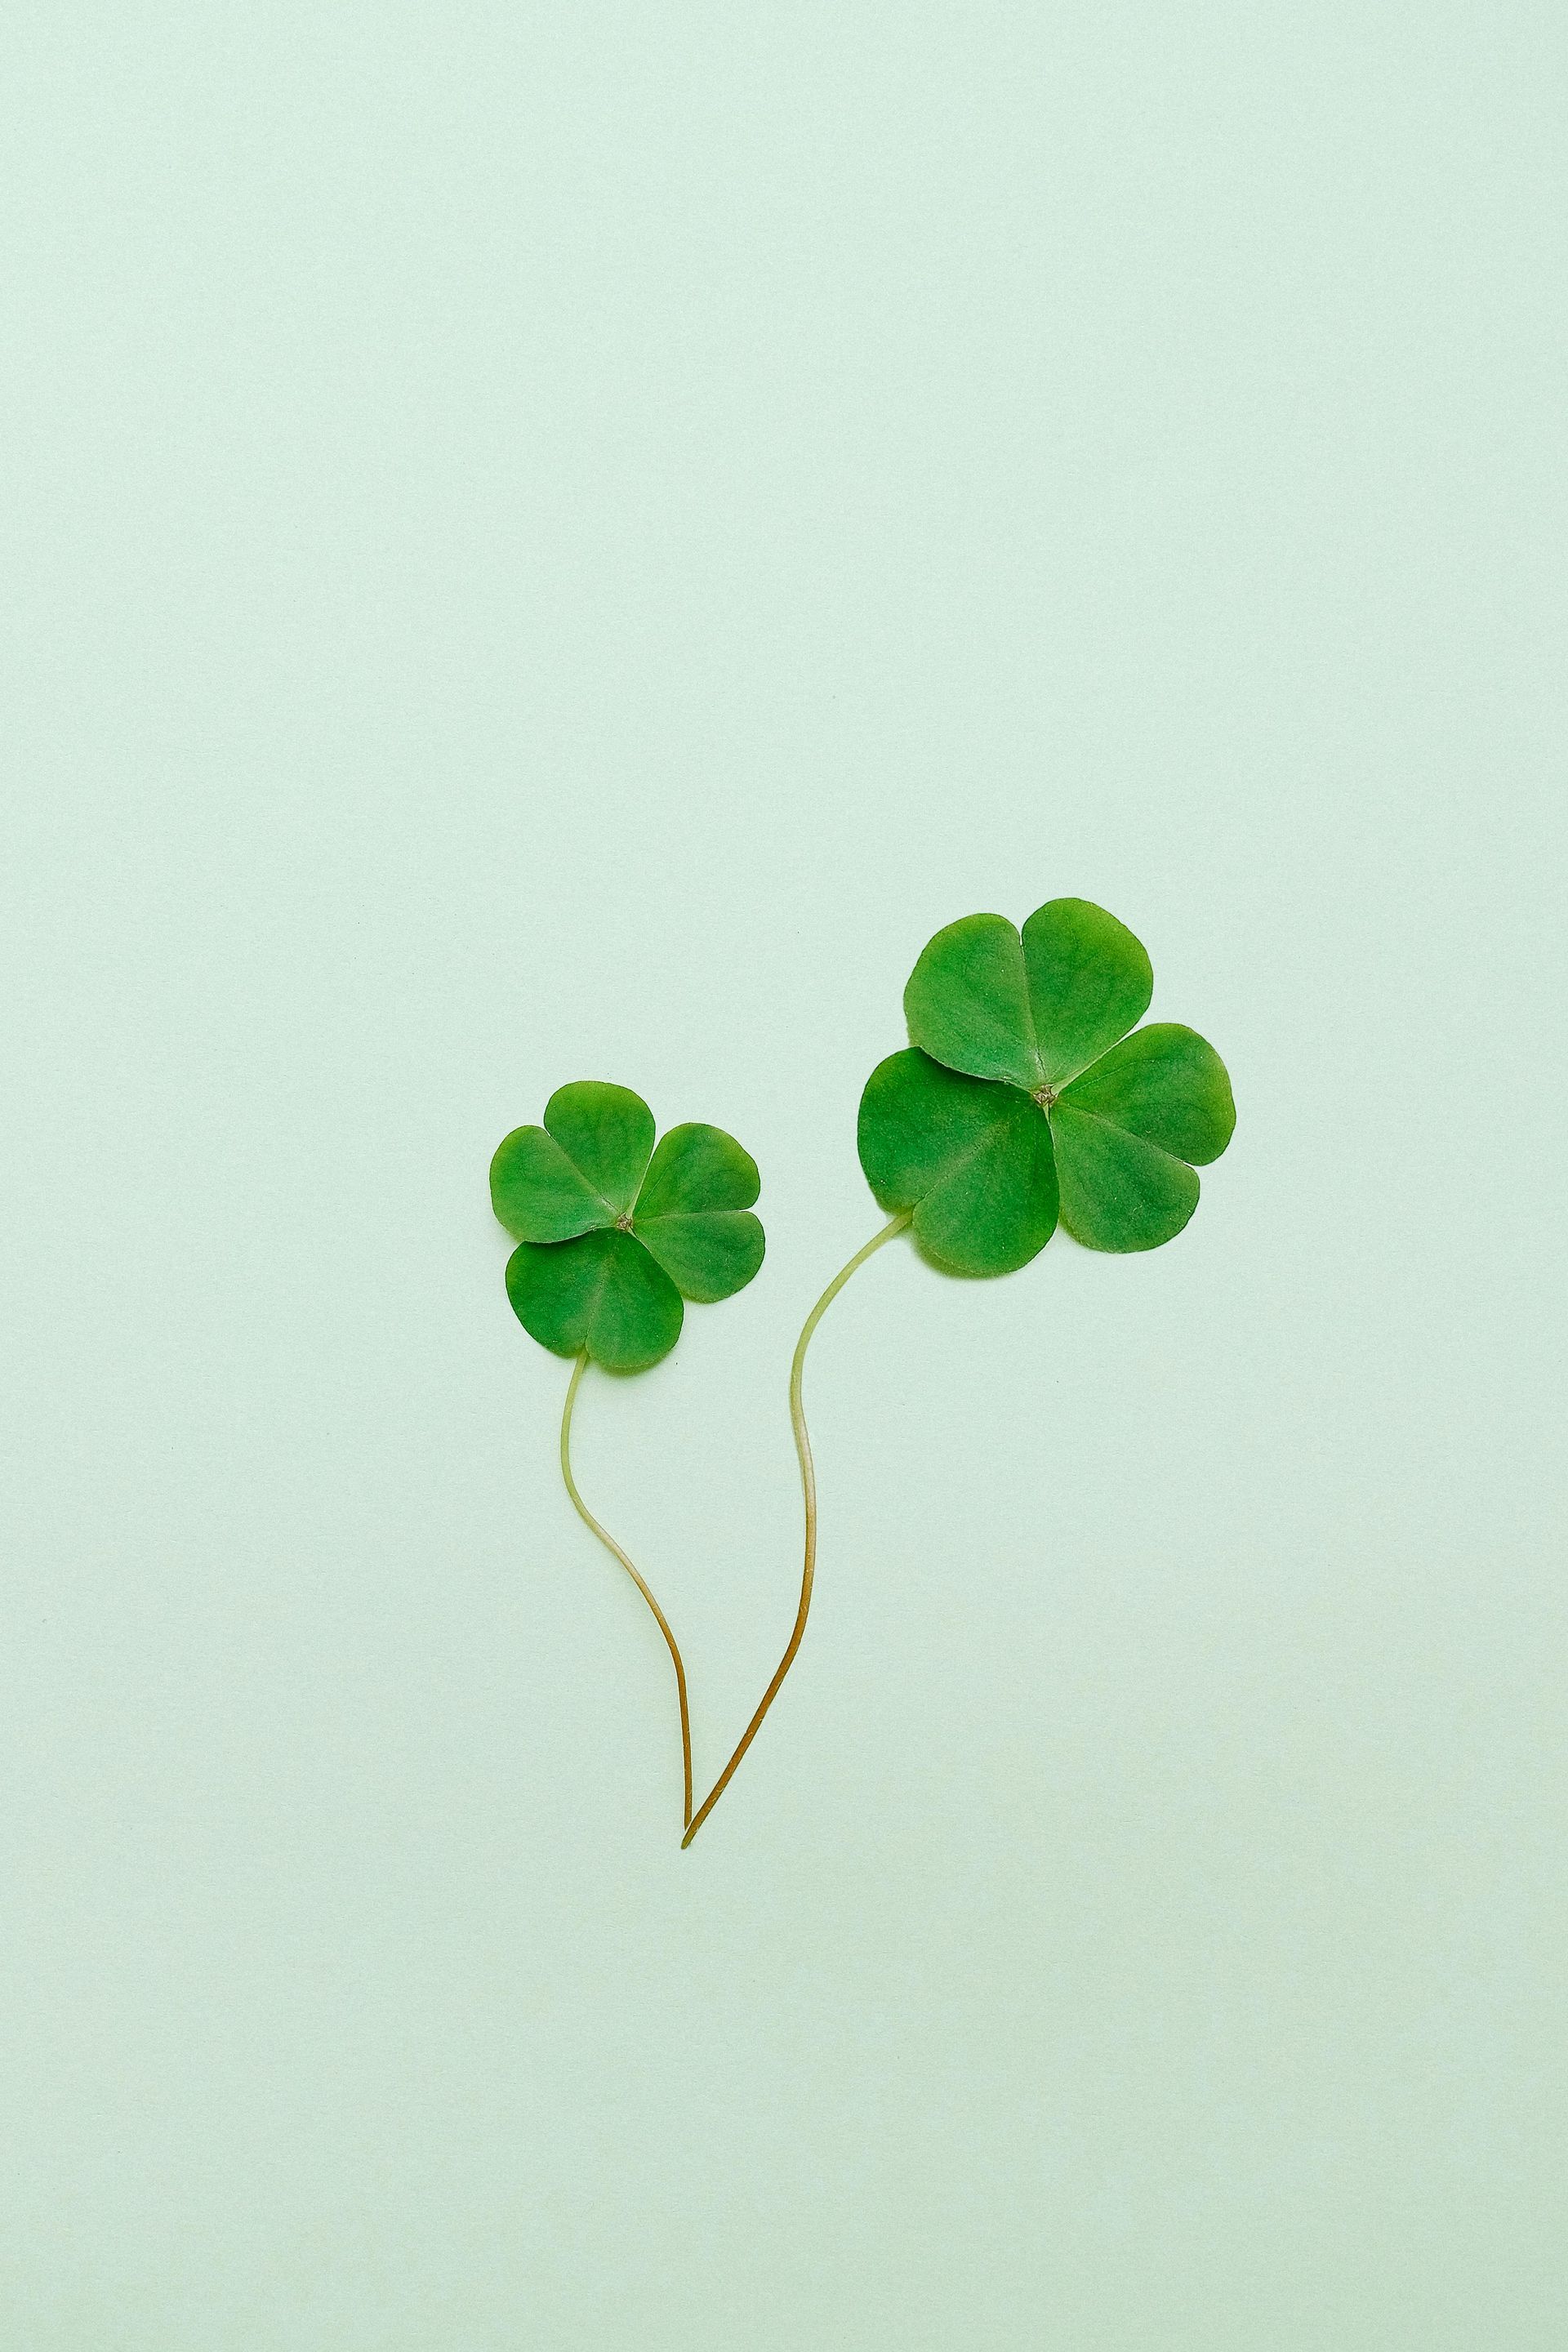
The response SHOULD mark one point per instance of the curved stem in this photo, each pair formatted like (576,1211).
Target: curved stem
(808,1488)
(587,1516)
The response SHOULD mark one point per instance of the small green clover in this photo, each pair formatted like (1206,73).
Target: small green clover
(612,1233)
(1021,1097)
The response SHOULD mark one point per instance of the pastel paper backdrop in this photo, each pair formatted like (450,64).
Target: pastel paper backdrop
(567,543)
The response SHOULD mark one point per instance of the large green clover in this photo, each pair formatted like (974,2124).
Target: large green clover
(612,1234)
(1020,1100)
(1022,1096)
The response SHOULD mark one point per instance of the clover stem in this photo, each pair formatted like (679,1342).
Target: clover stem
(808,1489)
(587,1516)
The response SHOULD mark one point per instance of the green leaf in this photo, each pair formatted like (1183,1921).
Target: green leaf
(692,1212)
(709,1255)
(697,1166)
(972,1159)
(538,1195)
(967,1001)
(1089,980)
(607,1133)
(1117,1192)
(1166,1083)
(601,1292)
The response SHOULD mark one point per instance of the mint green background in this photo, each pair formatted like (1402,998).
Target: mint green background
(549,543)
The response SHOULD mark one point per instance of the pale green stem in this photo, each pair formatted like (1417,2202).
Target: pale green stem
(808,1488)
(587,1516)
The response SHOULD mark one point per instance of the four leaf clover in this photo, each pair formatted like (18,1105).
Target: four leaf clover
(1021,1097)
(612,1233)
